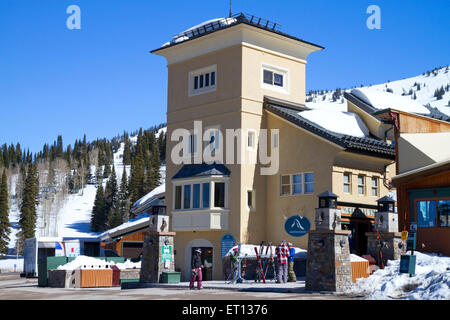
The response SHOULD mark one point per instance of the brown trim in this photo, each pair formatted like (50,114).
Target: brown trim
(421,174)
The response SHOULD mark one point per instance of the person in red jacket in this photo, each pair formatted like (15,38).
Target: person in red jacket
(282,253)
(197,266)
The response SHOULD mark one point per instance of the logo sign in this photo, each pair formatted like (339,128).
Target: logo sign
(227,243)
(166,253)
(296,226)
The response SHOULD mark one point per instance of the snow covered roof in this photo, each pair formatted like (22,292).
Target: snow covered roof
(337,121)
(323,128)
(216,24)
(386,100)
(141,221)
(142,203)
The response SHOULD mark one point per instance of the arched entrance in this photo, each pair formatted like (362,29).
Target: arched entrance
(359,225)
(207,256)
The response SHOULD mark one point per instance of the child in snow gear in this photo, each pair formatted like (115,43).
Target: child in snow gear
(282,253)
(197,266)
(291,274)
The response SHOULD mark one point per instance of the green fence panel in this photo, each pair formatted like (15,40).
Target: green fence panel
(51,263)
(170,277)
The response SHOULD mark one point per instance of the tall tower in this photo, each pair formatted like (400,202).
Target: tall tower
(219,73)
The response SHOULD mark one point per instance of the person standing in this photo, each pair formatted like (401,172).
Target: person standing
(197,266)
(282,254)
(291,274)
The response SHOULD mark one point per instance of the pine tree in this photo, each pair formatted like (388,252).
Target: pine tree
(124,202)
(4,214)
(111,191)
(28,217)
(137,176)
(98,217)
(106,171)
(127,152)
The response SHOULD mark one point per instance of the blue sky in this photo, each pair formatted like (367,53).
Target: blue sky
(102,80)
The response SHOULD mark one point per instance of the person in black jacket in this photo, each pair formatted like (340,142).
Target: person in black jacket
(197,266)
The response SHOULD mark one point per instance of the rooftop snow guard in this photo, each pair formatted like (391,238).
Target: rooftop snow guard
(213,25)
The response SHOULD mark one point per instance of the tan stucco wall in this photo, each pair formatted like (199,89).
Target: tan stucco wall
(252,63)
(237,103)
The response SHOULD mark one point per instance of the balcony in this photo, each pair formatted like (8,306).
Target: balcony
(200,220)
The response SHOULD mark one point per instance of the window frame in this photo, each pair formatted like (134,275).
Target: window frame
(209,184)
(349,183)
(251,132)
(436,213)
(302,183)
(252,198)
(275,70)
(202,80)
(377,187)
(363,185)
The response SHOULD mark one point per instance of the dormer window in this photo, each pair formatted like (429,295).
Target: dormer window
(202,80)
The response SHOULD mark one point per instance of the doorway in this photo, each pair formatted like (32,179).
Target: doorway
(207,258)
(359,226)
(92,249)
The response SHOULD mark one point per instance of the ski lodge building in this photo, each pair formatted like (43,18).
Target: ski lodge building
(243,73)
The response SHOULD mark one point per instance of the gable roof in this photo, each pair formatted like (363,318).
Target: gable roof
(214,25)
(200,170)
(364,145)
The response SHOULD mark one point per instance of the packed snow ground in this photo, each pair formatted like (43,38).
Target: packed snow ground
(431,281)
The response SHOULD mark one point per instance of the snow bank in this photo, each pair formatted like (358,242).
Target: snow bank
(431,281)
(249,251)
(354,258)
(84,262)
(7,264)
(337,121)
(128,265)
(384,100)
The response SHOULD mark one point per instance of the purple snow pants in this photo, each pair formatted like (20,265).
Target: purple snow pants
(197,277)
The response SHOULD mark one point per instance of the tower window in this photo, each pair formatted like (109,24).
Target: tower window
(202,80)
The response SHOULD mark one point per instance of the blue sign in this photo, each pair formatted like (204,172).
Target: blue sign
(296,226)
(227,243)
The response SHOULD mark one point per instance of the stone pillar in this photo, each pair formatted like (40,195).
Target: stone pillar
(158,249)
(328,266)
(385,244)
(157,256)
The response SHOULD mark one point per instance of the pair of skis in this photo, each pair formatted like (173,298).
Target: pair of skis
(270,261)
(259,268)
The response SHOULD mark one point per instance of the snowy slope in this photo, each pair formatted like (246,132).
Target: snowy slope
(67,215)
(422,86)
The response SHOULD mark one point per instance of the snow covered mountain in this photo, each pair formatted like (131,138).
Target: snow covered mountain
(422,89)
(67,215)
